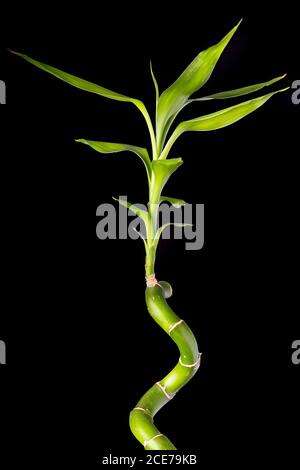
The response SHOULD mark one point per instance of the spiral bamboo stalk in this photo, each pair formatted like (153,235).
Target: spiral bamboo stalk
(141,417)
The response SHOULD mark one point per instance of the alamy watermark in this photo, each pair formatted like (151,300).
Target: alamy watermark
(296,93)
(186,222)
(2,92)
(296,354)
(2,352)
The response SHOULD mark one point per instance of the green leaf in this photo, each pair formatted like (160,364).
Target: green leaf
(142,213)
(226,116)
(93,88)
(175,202)
(167,127)
(109,147)
(161,172)
(218,120)
(191,80)
(79,82)
(155,83)
(238,91)
(156,91)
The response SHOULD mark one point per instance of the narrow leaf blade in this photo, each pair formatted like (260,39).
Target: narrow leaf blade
(81,83)
(191,80)
(155,83)
(161,172)
(217,120)
(139,212)
(227,116)
(238,91)
(174,201)
(109,147)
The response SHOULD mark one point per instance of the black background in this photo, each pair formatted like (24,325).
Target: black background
(81,348)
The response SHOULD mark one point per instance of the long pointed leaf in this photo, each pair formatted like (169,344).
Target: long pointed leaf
(136,210)
(155,82)
(191,80)
(93,88)
(218,120)
(174,201)
(161,172)
(238,91)
(109,147)
(218,96)
(79,82)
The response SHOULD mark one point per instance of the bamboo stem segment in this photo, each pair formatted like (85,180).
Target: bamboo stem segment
(141,417)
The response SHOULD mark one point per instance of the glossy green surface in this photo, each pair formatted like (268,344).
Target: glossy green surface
(109,147)
(246,90)
(222,118)
(141,422)
(174,98)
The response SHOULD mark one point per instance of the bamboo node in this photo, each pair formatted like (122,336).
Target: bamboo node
(144,410)
(151,280)
(152,438)
(196,364)
(163,389)
(175,325)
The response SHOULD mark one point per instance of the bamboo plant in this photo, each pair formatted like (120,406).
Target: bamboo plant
(159,168)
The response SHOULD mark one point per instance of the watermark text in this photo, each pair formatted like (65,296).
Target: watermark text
(2,92)
(185,222)
(2,352)
(296,93)
(296,354)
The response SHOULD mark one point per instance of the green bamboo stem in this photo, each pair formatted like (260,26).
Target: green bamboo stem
(141,417)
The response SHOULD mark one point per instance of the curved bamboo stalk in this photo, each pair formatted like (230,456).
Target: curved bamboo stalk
(141,417)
